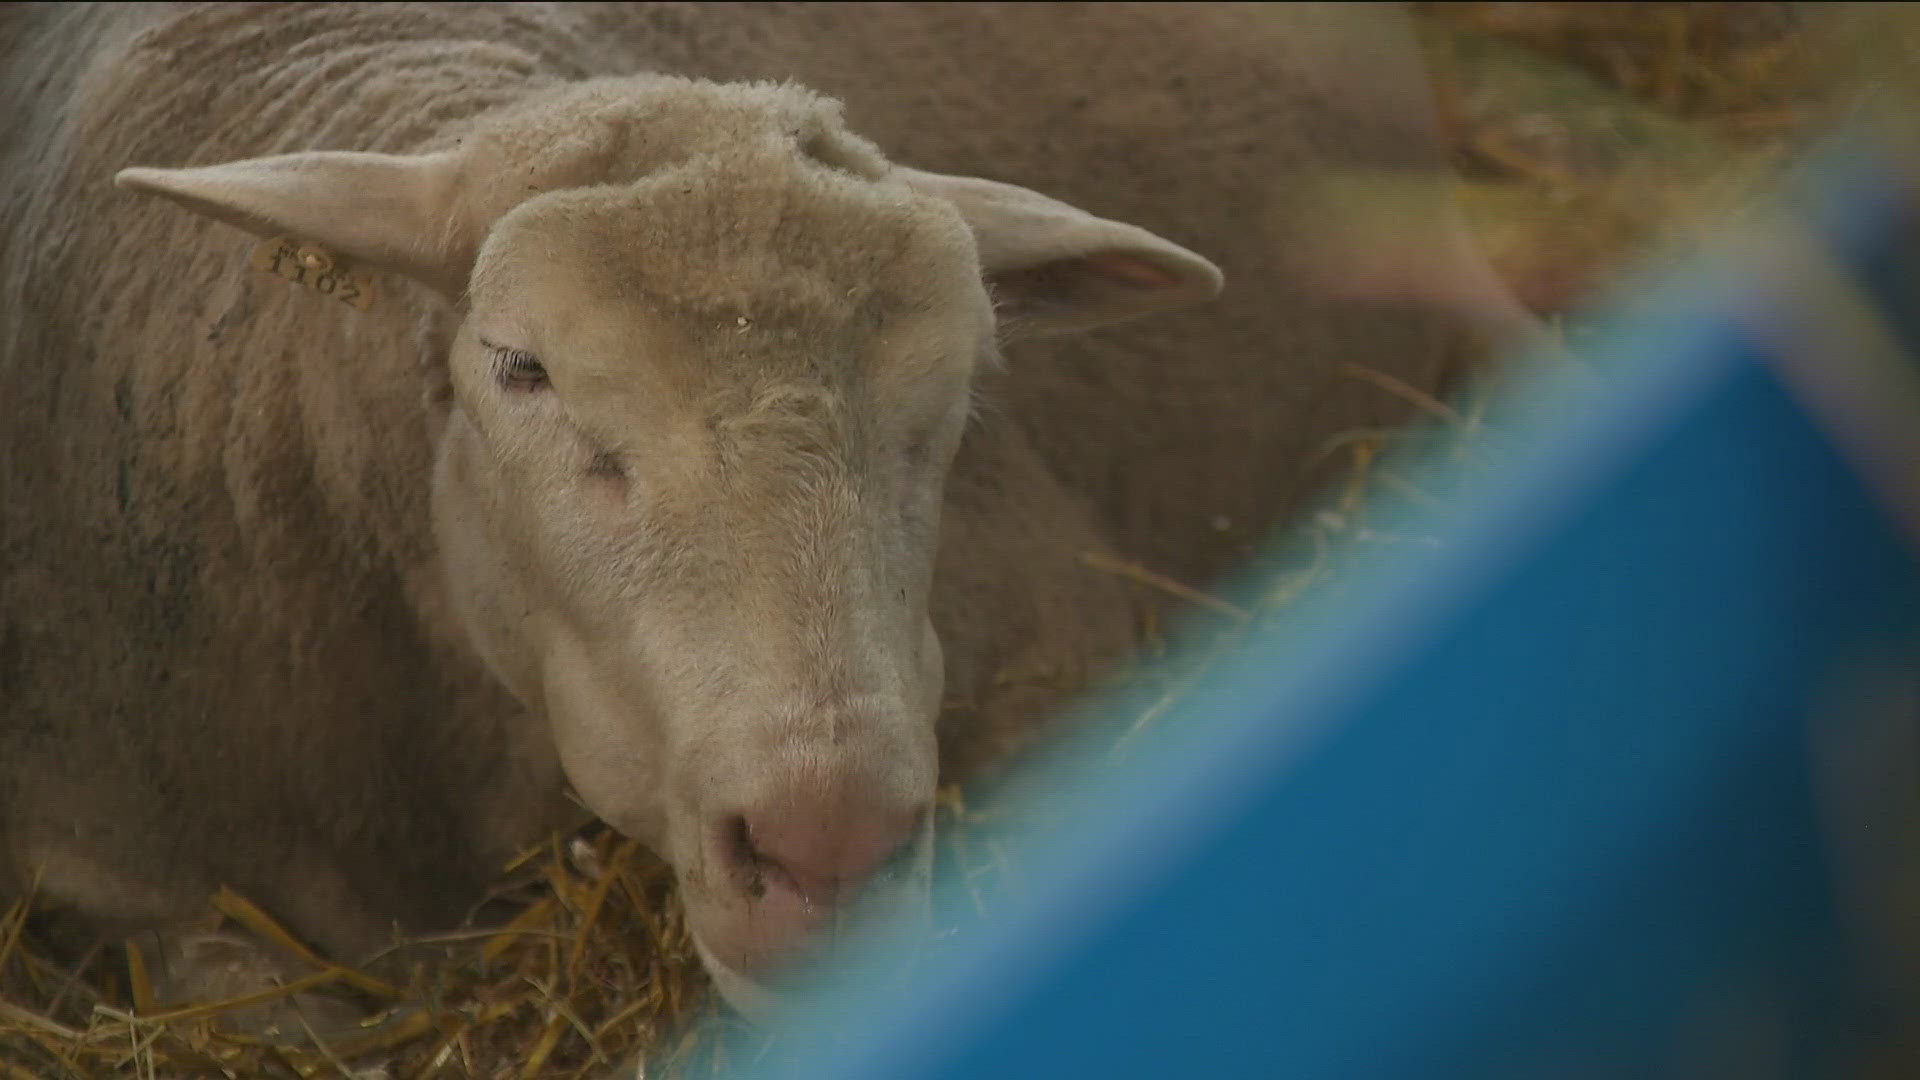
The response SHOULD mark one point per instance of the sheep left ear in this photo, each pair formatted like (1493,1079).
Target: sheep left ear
(1054,267)
(397,212)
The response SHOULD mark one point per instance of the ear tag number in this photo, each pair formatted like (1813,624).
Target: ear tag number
(306,263)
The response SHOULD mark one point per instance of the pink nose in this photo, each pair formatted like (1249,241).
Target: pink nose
(799,863)
(823,858)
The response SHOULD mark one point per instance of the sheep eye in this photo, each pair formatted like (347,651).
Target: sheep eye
(606,467)
(518,369)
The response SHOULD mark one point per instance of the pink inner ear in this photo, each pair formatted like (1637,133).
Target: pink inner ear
(1130,269)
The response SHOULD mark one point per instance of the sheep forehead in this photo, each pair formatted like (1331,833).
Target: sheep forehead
(721,230)
(617,131)
(774,259)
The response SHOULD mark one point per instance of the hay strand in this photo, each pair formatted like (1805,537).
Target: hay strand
(1134,572)
(247,914)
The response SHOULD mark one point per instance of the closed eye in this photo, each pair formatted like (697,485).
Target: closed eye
(918,450)
(517,369)
(606,466)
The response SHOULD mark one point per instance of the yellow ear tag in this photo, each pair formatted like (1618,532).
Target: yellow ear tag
(306,263)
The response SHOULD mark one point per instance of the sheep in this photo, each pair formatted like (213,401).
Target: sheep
(422,416)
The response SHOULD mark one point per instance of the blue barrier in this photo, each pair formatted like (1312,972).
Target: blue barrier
(1577,792)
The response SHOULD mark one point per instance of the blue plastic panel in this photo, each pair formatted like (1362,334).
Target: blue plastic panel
(1557,797)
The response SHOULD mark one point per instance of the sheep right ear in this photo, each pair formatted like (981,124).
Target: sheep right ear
(396,212)
(1054,267)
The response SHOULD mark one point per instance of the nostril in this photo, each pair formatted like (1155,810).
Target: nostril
(739,841)
(748,862)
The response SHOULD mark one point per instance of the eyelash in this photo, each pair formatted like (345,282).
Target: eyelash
(517,369)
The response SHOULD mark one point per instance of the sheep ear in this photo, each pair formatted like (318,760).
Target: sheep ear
(1053,267)
(402,213)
